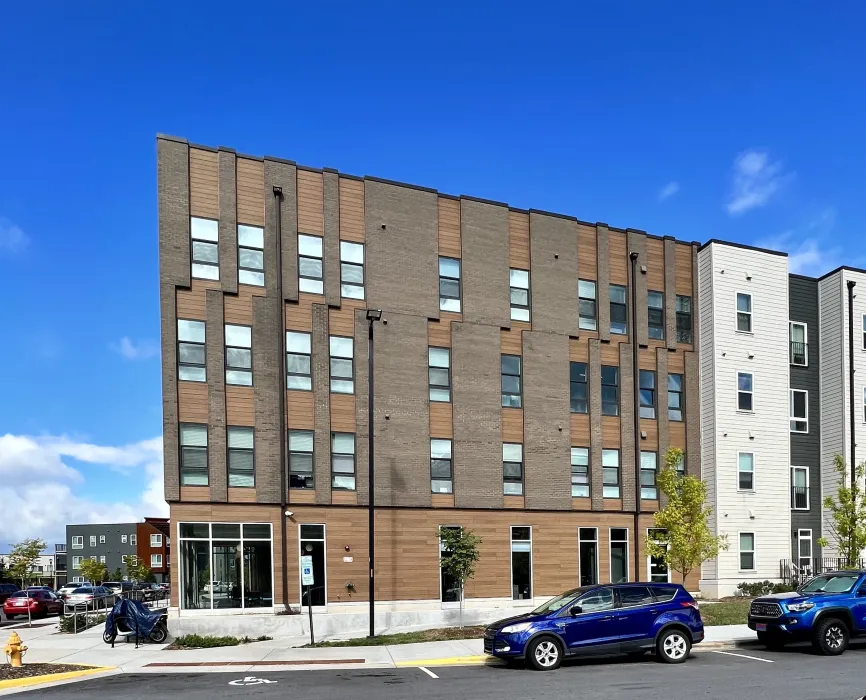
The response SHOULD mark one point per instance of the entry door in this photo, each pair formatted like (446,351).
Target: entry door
(312,543)
(595,625)
(804,551)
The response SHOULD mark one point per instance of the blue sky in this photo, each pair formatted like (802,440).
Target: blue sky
(739,121)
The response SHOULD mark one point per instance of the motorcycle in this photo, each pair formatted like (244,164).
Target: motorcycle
(130,618)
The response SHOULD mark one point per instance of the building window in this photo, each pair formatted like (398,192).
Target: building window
(744,312)
(745,471)
(578,388)
(76,562)
(684,319)
(351,270)
(659,572)
(101,558)
(619,555)
(193,455)
(342,365)
(680,466)
(588,555)
(449,284)
(799,344)
(205,248)
(804,550)
(586,292)
(744,391)
(102,539)
(656,315)
(78,542)
(93,558)
(156,540)
(123,539)
(439,374)
(520,303)
(251,255)
(191,366)
(647,379)
(156,561)
(609,390)
(747,551)
(512,469)
(133,540)
(618,310)
(511,383)
(123,558)
(449,587)
(675,397)
(301,459)
(298,365)
(648,471)
(580,472)
(521,563)
(441,477)
(310,277)
(800,488)
(93,540)
(343,461)
(239,355)
(799,411)
(242,459)
(610,473)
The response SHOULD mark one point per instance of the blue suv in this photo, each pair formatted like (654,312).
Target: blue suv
(827,611)
(630,618)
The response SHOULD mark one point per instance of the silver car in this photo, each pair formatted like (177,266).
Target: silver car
(92,597)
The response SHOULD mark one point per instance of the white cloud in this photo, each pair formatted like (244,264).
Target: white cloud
(809,253)
(755,181)
(143,350)
(37,488)
(668,191)
(12,238)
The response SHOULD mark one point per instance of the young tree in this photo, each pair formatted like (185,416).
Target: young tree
(24,557)
(847,523)
(136,569)
(459,556)
(93,571)
(117,574)
(683,539)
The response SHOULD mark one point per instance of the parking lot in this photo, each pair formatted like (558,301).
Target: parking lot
(793,674)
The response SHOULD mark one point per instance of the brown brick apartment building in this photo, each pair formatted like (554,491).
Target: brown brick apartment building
(504,380)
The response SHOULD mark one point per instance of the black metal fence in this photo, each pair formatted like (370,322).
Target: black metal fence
(797,572)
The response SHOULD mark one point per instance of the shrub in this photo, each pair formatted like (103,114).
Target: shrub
(70,623)
(206,641)
(759,588)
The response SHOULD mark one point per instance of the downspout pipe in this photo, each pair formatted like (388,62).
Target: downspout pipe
(281,401)
(636,381)
(852,402)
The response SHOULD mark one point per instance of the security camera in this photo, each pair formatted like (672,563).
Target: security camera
(289,513)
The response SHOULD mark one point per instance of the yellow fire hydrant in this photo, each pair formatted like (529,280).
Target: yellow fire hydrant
(14,649)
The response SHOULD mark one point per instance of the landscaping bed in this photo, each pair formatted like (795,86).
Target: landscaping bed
(730,611)
(437,635)
(8,673)
(199,641)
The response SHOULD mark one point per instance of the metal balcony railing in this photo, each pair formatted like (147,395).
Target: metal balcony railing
(800,497)
(798,353)
(798,571)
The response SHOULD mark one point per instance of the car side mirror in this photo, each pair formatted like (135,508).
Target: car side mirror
(575,610)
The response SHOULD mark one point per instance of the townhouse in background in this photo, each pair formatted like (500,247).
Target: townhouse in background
(49,569)
(505,388)
(154,546)
(113,543)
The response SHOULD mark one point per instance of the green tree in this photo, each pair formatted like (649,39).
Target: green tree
(93,571)
(24,557)
(683,539)
(136,569)
(117,574)
(847,524)
(459,557)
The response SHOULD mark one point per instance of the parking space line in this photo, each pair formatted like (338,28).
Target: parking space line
(428,672)
(743,656)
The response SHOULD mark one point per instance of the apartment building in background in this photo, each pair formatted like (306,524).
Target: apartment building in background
(505,387)
(45,571)
(154,546)
(108,543)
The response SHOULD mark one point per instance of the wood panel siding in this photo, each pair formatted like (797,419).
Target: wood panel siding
(239,495)
(191,302)
(439,334)
(614,504)
(300,414)
(192,402)
(251,191)
(239,405)
(578,349)
(345,498)
(518,240)
(342,321)
(195,493)
(517,502)
(299,317)
(587,252)
(646,359)
(580,430)
(238,309)
(441,425)
(581,504)
(651,428)
(352,210)
(449,227)
(677,435)
(204,184)
(618,258)
(610,433)
(311,203)
(655,263)
(512,425)
(609,354)
(303,496)
(511,341)
(684,272)
(343,413)
(442,500)
(676,363)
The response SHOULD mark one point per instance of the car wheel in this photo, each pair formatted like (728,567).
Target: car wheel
(673,646)
(830,637)
(544,653)
(10,617)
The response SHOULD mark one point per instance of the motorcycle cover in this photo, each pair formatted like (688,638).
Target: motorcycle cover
(136,615)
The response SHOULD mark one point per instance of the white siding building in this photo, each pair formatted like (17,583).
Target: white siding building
(745,441)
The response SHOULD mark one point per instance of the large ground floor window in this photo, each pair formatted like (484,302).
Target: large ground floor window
(225,565)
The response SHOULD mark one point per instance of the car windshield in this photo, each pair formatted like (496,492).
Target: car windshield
(25,594)
(831,584)
(83,591)
(559,602)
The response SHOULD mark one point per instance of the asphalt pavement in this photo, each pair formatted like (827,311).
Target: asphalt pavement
(792,674)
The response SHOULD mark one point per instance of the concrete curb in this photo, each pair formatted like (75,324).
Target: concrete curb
(68,676)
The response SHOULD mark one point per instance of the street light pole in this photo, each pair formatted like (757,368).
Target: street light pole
(373,315)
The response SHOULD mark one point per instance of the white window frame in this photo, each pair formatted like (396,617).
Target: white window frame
(511,542)
(737,312)
(800,538)
(77,542)
(133,540)
(76,561)
(597,552)
(753,489)
(102,559)
(739,391)
(155,539)
(796,419)
(610,541)
(156,561)
(791,325)
(808,489)
(740,551)
(649,561)
(123,558)
(102,539)
(92,540)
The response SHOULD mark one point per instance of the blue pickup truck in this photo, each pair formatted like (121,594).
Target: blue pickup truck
(827,611)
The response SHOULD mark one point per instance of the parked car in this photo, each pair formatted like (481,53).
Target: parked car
(119,586)
(6,590)
(150,591)
(96,597)
(39,603)
(827,611)
(631,618)
(40,588)
(67,588)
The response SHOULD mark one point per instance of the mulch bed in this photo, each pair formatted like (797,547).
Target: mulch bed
(7,673)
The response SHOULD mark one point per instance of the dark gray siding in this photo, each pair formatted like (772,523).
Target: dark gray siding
(112,549)
(806,448)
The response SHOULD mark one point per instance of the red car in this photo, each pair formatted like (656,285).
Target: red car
(40,603)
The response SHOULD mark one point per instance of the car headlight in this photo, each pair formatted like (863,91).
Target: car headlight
(801,607)
(514,629)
